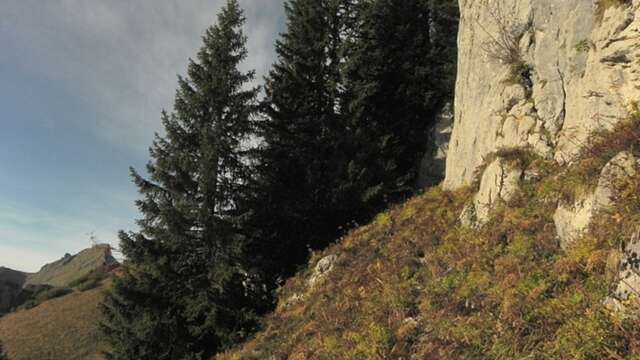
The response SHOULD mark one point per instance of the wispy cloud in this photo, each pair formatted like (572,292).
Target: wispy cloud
(47,235)
(92,77)
(121,57)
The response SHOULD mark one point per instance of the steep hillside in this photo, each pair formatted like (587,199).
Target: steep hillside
(55,311)
(64,328)
(73,267)
(529,250)
(419,284)
(83,270)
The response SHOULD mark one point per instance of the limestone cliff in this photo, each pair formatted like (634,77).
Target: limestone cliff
(579,70)
(542,76)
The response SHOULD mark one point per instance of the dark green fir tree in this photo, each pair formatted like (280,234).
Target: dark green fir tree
(298,206)
(399,71)
(183,292)
(348,107)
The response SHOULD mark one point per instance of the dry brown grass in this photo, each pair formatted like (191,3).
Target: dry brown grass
(414,284)
(65,328)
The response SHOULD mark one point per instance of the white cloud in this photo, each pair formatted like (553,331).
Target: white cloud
(17,258)
(121,57)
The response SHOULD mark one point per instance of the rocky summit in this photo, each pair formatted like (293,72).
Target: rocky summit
(73,267)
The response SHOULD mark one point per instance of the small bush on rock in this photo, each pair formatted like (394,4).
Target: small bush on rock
(504,46)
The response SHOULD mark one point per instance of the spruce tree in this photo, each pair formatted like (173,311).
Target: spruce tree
(399,70)
(300,161)
(349,104)
(182,293)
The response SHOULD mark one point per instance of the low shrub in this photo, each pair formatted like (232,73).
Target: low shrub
(504,45)
(90,281)
(53,293)
(42,294)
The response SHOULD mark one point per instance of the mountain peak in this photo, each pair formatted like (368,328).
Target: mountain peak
(72,267)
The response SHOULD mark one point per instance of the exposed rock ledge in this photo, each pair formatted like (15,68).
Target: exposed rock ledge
(572,220)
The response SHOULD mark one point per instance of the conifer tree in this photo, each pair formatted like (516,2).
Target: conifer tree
(349,104)
(182,292)
(300,161)
(399,69)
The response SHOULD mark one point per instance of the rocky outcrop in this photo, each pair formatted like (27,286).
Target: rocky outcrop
(570,67)
(322,269)
(572,220)
(627,275)
(499,183)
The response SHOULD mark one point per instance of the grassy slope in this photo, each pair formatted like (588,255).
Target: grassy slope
(414,284)
(64,328)
(68,269)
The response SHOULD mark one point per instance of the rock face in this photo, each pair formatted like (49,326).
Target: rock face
(576,69)
(322,269)
(627,275)
(572,220)
(499,183)
(73,267)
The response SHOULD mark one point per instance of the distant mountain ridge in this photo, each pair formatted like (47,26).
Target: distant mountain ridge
(54,313)
(16,286)
(73,267)
(11,283)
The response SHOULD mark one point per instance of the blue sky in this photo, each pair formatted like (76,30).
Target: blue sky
(82,84)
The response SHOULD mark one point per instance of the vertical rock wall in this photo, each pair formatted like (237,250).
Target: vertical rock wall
(580,71)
